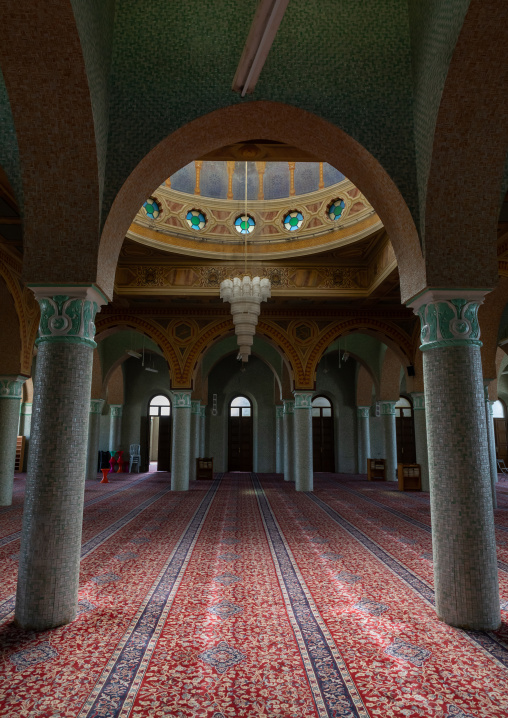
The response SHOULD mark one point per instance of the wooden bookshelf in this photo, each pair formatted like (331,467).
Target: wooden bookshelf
(20,454)
(204,468)
(410,477)
(376,469)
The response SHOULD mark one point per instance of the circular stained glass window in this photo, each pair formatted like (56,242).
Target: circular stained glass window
(196,219)
(293,221)
(152,208)
(335,209)
(244,224)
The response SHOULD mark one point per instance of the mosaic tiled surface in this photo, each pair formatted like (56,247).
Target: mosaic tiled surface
(9,416)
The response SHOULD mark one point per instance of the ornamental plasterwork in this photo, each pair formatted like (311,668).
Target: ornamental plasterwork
(219,238)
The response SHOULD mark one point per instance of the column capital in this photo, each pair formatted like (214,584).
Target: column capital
(303,399)
(96,406)
(11,386)
(68,313)
(288,406)
(363,412)
(26,408)
(387,408)
(196,407)
(418,398)
(202,411)
(115,409)
(279,412)
(449,317)
(182,399)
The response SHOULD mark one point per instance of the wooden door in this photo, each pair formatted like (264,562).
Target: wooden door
(323,451)
(164,452)
(405,432)
(240,440)
(501,436)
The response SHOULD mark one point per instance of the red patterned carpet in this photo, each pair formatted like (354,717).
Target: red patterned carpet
(244,598)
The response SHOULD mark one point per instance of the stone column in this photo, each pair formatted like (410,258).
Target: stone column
(48,575)
(388,416)
(180,455)
(363,414)
(303,468)
(202,435)
(491,439)
(115,426)
(10,399)
(194,437)
(420,424)
(289,442)
(94,431)
(465,562)
(279,439)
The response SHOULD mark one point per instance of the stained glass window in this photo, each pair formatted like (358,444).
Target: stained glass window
(244,224)
(293,221)
(335,209)
(196,219)
(152,208)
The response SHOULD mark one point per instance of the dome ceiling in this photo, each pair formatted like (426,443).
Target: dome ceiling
(293,208)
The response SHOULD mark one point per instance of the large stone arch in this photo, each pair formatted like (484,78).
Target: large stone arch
(468,156)
(271,121)
(489,316)
(364,386)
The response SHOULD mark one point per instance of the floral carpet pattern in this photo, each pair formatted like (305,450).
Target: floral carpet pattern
(242,598)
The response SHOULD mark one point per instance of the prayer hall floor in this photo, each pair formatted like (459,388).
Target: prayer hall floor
(243,597)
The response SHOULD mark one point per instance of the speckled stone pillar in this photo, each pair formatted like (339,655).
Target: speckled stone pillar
(115,426)
(363,416)
(180,456)
(289,439)
(48,575)
(388,416)
(420,424)
(94,430)
(465,562)
(304,477)
(10,400)
(194,437)
(491,440)
(279,439)
(202,435)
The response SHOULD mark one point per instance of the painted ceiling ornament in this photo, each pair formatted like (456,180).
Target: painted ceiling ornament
(293,220)
(196,219)
(152,208)
(335,209)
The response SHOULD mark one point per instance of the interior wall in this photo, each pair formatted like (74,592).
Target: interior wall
(226,380)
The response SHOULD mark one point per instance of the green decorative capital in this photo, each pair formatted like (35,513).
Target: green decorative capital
(115,410)
(202,411)
(387,408)
(11,387)
(363,412)
(196,407)
(182,399)
(418,401)
(449,317)
(490,407)
(279,412)
(68,313)
(96,406)
(288,406)
(303,399)
(26,408)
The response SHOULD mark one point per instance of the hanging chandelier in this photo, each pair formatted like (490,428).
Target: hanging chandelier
(245,294)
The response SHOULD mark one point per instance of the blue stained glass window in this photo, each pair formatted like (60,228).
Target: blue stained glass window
(335,209)
(152,208)
(293,221)
(196,219)
(244,224)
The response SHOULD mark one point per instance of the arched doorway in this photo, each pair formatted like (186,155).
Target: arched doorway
(159,412)
(500,430)
(322,434)
(240,434)
(405,430)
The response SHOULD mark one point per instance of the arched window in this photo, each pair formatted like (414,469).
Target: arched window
(403,407)
(240,406)
(160,406)
(405,431)
(323,451)
(498,409)
(321,406)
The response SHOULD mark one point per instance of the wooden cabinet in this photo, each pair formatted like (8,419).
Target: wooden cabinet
(376,469)
(410,477)
(204,468)
(20,454)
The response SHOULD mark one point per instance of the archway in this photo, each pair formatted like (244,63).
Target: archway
(405,431)
(159,443)
(240,434)
(323,452)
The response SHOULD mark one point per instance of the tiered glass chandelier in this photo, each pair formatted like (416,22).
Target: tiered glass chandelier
(245,294)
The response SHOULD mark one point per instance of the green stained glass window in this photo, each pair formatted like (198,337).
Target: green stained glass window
(293,221)
(244,224)
(335,209)
(196,219)
(152,208)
